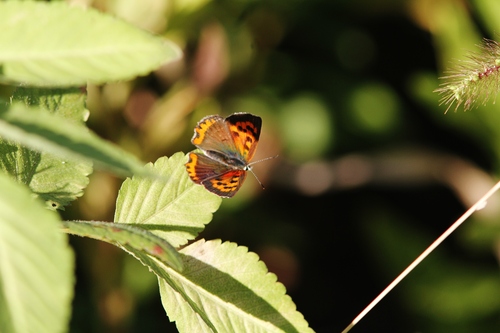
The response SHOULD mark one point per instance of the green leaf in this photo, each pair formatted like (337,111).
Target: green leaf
(130,238)
(68,103)
(58,182)
(45,132)
(174,208)
(19,162)
(36,265)
(61,45)
(225,288)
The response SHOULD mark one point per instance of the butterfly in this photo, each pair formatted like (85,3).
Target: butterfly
(228,146)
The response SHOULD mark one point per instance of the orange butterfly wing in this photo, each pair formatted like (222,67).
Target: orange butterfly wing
(245,131)
(214,176)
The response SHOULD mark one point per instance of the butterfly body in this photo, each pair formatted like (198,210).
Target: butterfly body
(228,145)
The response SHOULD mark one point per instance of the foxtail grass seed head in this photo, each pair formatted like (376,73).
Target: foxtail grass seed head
(474,80)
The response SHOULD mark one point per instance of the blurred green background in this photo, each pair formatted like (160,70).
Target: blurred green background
(370,170)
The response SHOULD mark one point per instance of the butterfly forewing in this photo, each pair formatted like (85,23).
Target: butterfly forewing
(212,135)
(245,131)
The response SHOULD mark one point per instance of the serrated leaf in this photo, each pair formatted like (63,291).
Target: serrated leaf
(130,238)
(57,181)
(45,132)
(225,288)
(36,266)
(60,45)
(174,208)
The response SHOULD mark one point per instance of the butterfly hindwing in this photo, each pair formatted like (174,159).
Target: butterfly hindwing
(201,168)
(227,184)
(214,176)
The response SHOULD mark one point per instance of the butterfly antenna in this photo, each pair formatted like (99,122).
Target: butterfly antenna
(262,160)
(249,168)
(253,173)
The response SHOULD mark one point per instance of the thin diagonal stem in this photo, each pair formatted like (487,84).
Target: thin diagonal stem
(480,204)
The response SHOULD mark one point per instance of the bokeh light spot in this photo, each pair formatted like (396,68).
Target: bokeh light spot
(307,127)
(374,108)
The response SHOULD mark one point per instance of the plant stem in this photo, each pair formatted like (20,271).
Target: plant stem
(480,204)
